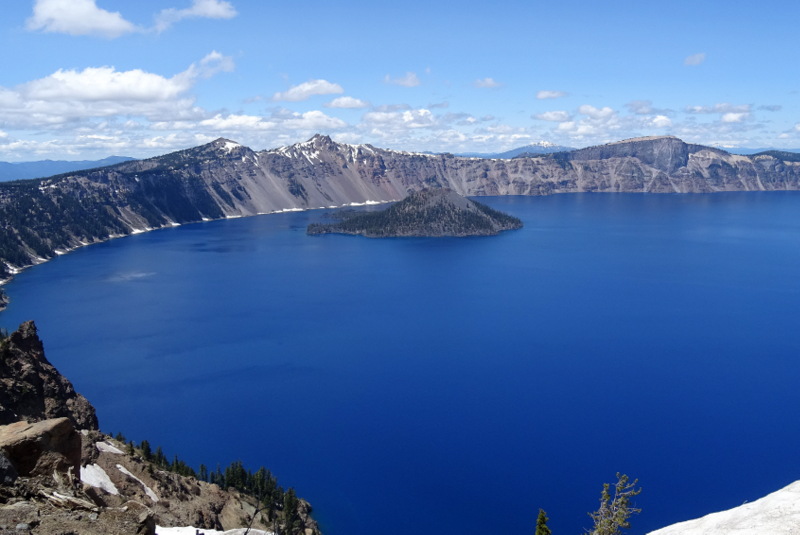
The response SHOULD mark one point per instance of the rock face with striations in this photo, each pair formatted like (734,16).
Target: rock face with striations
(426,213)
(32,389)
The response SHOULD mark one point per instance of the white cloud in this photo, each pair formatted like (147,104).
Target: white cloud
(661,121)
(734,117)
(95,84)
(77,17)
(237,123)
(78,98)
(105,83)
(555,116)
(542,95)
(84,17)
(208,9)
(695,59)
(347,103)
(640,107)
(421,118)
(409,80)
(723,107)
(596,113)
(213,63)
(397,121)
(486,83)
(307,90)
(313,121)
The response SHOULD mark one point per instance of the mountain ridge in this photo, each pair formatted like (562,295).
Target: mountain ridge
(50,216)
(45,168)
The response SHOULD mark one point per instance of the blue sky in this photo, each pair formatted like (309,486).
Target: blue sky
(89,78)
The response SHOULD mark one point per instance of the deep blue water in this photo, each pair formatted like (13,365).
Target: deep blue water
(454,386)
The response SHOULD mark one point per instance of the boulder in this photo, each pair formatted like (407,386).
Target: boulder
(42,448)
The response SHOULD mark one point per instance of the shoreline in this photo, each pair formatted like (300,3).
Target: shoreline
(16,270)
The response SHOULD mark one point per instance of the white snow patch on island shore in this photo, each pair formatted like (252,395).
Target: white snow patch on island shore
(368,203)
(775,514)
(94,475)
(284,210)
(147,490)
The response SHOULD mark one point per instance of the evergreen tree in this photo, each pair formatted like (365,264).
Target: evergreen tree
(612,516)
(147,453)
(541,524)
(291,517)
(160,459)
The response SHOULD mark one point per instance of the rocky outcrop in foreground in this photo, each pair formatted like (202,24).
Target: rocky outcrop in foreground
(60,475)
(426,213)
(31,389)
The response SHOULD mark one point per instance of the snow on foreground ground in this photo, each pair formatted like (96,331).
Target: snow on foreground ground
(196,531)
(775,514)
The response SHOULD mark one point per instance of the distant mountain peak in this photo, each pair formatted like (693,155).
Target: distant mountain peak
(320,138)
(224,144)
(541,143)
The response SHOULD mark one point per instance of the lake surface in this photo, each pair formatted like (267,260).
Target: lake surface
(454,386)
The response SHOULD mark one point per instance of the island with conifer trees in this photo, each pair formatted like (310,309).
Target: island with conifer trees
(432,212)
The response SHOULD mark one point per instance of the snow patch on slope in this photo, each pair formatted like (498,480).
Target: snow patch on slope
(147,490)
(228,146)
(108,448)
(95,476)
(775,514)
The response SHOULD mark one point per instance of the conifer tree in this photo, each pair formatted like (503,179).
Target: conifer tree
(147,453)
(541,524)
(612,516)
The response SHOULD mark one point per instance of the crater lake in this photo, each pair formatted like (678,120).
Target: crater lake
(453,385)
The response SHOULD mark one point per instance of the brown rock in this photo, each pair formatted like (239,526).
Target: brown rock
(32,389)
(43,447)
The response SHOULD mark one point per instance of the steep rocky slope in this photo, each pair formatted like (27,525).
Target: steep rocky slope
(32,389)
(60,474)
(427,213)
(42,218)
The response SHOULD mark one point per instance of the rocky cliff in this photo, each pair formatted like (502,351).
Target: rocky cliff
(31,388)
(425,213)
(59,474)
(45,217)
